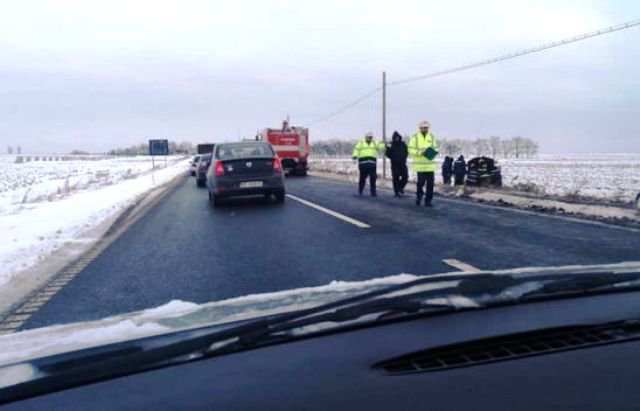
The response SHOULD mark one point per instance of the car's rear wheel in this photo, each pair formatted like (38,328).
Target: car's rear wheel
(279,196)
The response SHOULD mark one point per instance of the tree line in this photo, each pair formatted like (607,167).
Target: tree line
(494,146)
(184,147)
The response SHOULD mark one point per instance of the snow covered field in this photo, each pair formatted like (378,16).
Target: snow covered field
(49,207)
(612,177)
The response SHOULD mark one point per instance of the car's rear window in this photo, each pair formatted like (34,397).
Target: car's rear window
(243,151)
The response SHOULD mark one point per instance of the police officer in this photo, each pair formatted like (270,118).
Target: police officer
(423,149)
(366,152)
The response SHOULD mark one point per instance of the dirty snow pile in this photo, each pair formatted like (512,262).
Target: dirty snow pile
(611,177)
(48,206)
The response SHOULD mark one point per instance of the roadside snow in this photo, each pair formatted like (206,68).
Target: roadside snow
(614,177)
(50,207)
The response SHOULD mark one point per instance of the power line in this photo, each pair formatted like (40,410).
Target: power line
(520,53)
(346,107)
(485,62)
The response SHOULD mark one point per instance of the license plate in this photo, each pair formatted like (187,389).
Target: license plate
(251,184)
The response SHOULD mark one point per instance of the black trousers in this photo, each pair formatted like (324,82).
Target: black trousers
(400,176)
(367,170)
(428,178)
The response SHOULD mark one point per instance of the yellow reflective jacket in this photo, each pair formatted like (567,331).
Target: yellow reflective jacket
(417,145)
(367,152)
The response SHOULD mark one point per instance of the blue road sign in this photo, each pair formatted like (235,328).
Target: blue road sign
(159,147)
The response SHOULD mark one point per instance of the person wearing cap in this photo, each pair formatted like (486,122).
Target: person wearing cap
(423,148)
(397,153)
(366,153)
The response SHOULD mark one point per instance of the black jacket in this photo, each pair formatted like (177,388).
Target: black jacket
(397,152)
(460,167)
(447,166)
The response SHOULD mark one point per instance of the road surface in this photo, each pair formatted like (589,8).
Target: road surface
(183,249)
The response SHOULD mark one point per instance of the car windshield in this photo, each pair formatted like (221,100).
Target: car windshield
(172,166)
(235,151)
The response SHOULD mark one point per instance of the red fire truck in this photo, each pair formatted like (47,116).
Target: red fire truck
(292,145)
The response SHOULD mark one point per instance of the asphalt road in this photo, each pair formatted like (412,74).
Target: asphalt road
(184,249)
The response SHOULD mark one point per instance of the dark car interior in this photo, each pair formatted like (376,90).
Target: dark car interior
(578,353)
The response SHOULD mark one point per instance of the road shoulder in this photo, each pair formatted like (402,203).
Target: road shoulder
(45,279)
(617,216)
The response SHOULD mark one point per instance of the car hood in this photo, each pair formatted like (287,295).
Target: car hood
(179,315)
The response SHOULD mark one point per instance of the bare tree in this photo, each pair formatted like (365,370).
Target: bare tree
(495,144)
(481,146)
(448,147)
(19,150)
(518,145)
(529,148)
(9,150)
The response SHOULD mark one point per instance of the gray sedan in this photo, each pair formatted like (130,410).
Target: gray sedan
(245,169)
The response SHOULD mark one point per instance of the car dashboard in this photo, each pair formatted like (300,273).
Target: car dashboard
(350,369)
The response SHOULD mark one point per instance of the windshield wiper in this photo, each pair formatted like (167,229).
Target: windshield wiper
(585,284)
(470,293)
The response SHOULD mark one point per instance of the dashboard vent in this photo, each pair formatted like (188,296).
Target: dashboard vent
(510,347)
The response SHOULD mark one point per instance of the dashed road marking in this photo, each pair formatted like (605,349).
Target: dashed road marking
(19,316)
(330,212)
(460,265)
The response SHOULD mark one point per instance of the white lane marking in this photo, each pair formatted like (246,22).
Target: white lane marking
(330,212)
(460,265)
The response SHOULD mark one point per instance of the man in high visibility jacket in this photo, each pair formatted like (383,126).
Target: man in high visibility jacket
(366,152)
(423,148)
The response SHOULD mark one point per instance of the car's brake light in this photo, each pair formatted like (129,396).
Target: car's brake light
(277,167)
(219,171)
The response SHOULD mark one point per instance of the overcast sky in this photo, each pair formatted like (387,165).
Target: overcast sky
(97,75)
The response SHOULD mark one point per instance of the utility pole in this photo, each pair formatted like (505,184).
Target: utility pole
(384,122)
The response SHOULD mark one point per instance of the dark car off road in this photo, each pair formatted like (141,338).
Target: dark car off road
(245,169)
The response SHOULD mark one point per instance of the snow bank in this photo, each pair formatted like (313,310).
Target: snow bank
(48,206)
